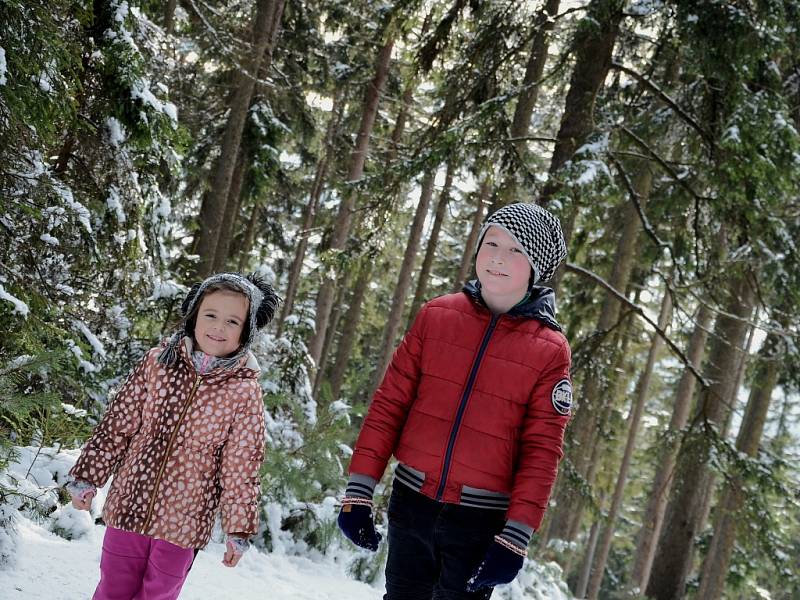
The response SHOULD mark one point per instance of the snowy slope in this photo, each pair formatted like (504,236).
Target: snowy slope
(52,568)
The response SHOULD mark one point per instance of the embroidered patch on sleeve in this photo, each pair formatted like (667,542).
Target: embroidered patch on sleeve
(562,397)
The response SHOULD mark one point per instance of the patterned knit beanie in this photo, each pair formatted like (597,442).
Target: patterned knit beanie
(261,308)
(537,231)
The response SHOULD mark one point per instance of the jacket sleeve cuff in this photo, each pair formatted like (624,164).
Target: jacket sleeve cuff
(517,533)
(360,486)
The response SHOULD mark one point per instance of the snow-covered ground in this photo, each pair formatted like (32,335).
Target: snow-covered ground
(49,567)
(36,563)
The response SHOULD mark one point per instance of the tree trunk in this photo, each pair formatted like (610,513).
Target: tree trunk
(634,419)
(344,217)
(333,325)
(430,251)
(653,517)
(214,203)
(232,208)
(593,48)
(472,239)
(728,513)
(249,237)
(169,16)
(310,212)
(675,549)
(529,94)
(587,421)
(348,336)
(591,545)
(403,279)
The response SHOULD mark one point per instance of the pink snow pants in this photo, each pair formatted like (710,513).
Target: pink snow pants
(138,567)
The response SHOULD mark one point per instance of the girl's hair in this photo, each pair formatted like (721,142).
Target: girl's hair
(190,319)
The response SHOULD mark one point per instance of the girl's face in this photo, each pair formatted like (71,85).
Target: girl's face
(220,322)
(502,268)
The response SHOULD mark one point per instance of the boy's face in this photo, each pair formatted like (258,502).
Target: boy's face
(220,322)
(502,267)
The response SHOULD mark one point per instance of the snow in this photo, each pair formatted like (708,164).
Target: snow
(167,289)
(49,239)
(3,66)
(116,131)
(96,344)
(19,306)
(80,210)
(291,571)
(73,570)
(114,204)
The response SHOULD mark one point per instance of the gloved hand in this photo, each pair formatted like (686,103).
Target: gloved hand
(355,521)
(500,565)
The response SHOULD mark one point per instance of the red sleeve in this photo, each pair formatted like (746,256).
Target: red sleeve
(541,441)
(390,405)
(109,442)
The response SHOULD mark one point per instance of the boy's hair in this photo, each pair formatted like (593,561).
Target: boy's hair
(261,308)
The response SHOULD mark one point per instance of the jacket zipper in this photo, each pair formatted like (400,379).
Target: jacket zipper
(448,455)
(167,453)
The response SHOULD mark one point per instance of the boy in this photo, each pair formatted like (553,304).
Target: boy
(473,406)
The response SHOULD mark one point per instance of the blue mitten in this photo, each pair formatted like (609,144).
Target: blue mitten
(500,565)
(355,521)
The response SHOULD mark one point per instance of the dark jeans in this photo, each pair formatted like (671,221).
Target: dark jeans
(434,548)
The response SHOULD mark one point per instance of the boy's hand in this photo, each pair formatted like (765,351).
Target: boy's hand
(235,547)
(355,521)
(499,566)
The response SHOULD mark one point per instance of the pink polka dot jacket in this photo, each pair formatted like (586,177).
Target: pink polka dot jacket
(181,446)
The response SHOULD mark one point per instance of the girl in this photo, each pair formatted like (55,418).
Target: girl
(183,437)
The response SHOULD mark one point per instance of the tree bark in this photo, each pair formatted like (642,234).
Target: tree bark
(348,336)
(214,203)
(310,212)
(472,239)
(653,518)
(675,549)
(593,48)
(528,96)
(169,16)
(232,207)
(634,420)
(430,251)
(345,215)
(588,417)
(403,279)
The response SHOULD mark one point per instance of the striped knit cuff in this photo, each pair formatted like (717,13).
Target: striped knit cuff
(517,533)
(360,486)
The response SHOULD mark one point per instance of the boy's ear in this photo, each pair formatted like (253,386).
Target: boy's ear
(187,302)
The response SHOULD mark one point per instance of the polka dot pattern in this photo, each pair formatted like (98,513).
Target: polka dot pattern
(180,449)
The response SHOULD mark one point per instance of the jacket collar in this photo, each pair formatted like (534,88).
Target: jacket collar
(247,367)
(540,305)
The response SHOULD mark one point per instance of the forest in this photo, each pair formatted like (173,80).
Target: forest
(349,151)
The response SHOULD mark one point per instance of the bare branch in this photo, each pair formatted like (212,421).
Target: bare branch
(640,311)
(669,101)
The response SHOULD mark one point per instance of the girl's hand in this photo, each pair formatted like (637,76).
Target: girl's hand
(83,501)
(234,548)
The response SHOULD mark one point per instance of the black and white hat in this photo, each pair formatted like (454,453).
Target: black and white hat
(537,231)
(262,304)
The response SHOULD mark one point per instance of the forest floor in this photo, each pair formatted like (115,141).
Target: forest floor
(47,566)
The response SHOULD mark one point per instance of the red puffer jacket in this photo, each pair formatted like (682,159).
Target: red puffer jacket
(472,400)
